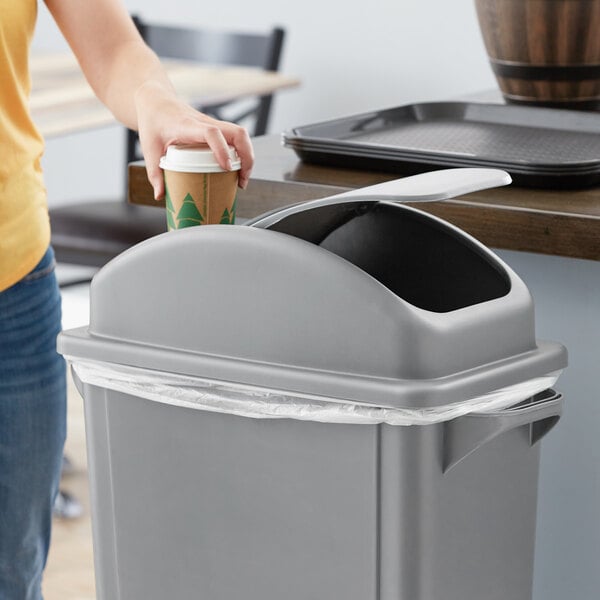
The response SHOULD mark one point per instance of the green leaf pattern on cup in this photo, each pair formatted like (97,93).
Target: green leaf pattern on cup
(228,217)
(188,214)
(170,211)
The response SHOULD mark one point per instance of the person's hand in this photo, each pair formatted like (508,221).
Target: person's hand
(163,121)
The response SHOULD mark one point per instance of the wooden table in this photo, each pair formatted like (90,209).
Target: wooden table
(560,223)
(62,102)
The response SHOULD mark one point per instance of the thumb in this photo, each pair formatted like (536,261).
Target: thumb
(152,156)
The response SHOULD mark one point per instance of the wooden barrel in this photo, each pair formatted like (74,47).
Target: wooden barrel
(544,52)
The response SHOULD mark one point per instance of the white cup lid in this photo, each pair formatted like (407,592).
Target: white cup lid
(195,159)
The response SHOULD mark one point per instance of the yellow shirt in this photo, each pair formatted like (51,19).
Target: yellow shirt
(24,223)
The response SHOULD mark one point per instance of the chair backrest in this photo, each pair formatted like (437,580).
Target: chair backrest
(214,46)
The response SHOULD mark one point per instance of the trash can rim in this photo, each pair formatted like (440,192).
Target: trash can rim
(395,393)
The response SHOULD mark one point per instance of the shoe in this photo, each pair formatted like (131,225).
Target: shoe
(66,506)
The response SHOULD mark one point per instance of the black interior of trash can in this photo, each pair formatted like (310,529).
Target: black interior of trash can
(425,262)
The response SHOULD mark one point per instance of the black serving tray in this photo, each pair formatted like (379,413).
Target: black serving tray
(539,147)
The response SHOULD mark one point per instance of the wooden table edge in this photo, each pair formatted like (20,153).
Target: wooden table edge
(496,225)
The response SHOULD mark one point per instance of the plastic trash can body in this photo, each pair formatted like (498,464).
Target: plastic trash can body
(190,504)
(383,307)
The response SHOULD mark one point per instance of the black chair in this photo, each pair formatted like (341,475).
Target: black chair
(93,232)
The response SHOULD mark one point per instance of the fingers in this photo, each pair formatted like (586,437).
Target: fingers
(183,125)
(155,175)
(219,135)
(211,135)
(241,142)
(152,156)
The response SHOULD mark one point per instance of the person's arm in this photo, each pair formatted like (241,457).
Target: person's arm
(129,79)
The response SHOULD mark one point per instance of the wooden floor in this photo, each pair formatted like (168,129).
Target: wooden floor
(70,571)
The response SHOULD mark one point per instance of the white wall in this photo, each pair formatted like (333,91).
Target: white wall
(349,56)
(566,293)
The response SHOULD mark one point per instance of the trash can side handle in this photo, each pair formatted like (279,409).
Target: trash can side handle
(464,435)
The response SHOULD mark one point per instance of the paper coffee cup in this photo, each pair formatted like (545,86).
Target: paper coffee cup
(197,190)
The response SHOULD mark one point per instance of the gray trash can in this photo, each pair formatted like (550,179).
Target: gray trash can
(316,406)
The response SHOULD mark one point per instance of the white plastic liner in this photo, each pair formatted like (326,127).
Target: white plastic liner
(264,403)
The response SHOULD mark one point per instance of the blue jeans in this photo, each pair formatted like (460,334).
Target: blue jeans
(32,427)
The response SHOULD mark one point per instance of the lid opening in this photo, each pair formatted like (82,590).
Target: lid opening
(431,266)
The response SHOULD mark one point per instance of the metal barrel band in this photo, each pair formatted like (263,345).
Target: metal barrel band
(511,70)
